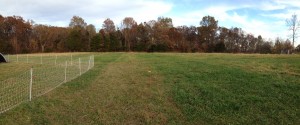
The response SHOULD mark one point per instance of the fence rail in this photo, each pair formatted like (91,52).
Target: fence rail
(49,72)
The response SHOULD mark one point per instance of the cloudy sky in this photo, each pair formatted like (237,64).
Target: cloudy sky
(259,17)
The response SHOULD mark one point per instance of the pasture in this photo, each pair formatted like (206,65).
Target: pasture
(169,88)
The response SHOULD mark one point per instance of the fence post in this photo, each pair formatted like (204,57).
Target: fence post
(79,66)
(30,85)
(66,71)
(55,59)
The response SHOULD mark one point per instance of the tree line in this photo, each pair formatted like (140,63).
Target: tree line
(20,36)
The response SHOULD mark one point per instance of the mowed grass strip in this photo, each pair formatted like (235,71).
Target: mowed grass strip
(173,88)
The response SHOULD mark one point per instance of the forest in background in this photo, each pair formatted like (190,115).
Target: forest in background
(20,36)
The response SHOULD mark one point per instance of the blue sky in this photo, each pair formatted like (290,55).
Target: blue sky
(259,17)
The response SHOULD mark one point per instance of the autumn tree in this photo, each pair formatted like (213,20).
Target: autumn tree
(244,43)
(160,37)
(190,38)
(252,42)
(259,44)
(266,47)
(95,43)
(77,21)
(61,38)
(106,41)
(16,34)
(4,44)
(120,45)
(103,42)
(287,47)
(74,41)
(176,39)
(150,28)
(18,31)
(19,36)
(43,35)
(128,26)
(222,39)
(233,41)
(165,22)
(46,38)
(143,38)
(111,40)
(193,38)
(163,31)
(207,30)
(278,46)
(91,30)
(78,38)
(108,26)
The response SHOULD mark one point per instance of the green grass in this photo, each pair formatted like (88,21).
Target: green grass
(172,88)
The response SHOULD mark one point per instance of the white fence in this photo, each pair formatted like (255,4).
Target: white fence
(47,73)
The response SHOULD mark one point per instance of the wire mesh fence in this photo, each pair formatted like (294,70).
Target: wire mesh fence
(48,72)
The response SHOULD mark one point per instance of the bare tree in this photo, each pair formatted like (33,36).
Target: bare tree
(293,25)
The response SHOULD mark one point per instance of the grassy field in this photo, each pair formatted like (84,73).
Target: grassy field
(171,88)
